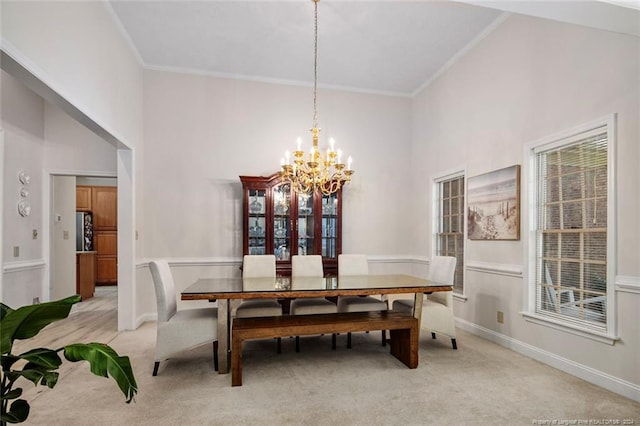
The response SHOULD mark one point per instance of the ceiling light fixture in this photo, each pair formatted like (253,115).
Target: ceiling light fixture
(313,171)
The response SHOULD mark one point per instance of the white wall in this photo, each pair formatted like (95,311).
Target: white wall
(23,123)
(528,79)
(77,49)
(82,62)
(202,132)
(63,256)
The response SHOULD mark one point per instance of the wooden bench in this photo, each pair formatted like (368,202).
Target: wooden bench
(403,332)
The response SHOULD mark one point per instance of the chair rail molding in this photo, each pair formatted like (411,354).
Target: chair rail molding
(495,268)
(200,261)
(24,265)
(627,284)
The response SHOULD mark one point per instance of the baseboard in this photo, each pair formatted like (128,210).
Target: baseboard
(591,375)
(145,318)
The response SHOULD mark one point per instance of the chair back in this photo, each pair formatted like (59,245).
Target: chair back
(442,270)
(259,265)
(306,266)
(352,264)
(165,289)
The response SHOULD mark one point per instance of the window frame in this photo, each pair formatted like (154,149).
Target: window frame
(436,214)
(552,142)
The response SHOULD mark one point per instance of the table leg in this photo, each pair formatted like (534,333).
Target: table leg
(223,336)
(417,309)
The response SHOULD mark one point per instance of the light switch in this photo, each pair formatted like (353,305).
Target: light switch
(16,251)
(35,234)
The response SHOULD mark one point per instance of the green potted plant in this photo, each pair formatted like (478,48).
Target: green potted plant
(39,365)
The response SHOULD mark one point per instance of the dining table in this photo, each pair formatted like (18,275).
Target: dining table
(229,292)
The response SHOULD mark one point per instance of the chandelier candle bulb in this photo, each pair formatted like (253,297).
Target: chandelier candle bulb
(349,160)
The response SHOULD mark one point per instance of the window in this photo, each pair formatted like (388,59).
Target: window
(572,201)
(450,224)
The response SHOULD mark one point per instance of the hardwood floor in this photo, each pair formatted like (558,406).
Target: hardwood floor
(95,320)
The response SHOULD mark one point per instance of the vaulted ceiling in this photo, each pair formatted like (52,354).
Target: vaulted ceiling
(392,46)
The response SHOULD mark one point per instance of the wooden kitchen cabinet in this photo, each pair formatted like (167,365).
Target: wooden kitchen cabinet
(104,203)
(83,198)
(106,245)
(85,274)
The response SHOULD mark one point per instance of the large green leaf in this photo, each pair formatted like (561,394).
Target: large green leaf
(44,357)
(18,412)
(4,310)
(39,375)
(16,393)
(104,361)
(27,321)
(6,361)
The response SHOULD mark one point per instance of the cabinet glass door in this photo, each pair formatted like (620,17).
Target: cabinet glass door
(282,221)
(305,224)
(329,226)
(257,210)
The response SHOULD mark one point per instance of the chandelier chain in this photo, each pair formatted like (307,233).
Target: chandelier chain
(315,66)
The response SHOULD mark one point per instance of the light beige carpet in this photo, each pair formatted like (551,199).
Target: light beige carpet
(480,383)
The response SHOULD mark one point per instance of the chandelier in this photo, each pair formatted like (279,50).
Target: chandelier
(316,170)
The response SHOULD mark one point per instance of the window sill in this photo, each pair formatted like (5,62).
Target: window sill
(568,328)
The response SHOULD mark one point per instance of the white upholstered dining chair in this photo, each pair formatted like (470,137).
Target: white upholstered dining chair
(259,266)
(179,330)
(437,308)
(352,265)
(310,266)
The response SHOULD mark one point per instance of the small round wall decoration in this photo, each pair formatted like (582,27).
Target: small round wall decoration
(24,177)
(24,192)
(24,208)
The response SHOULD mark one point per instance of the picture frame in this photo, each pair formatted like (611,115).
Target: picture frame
(493,205)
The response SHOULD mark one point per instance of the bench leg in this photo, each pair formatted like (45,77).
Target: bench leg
(236,361)
(404,346)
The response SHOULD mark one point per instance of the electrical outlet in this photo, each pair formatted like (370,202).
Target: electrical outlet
(36,300)
(65,235)
(16,251)
(500,317)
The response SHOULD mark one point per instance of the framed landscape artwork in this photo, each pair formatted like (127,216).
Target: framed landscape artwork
(494,205)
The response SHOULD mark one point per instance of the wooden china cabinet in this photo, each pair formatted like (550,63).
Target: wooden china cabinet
(278,220)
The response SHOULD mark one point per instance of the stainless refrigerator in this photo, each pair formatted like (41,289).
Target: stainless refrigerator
(84,231)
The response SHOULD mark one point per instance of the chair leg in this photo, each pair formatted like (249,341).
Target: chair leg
(333,341)
(433,335)
(348,340)
(279,345)
(297,343)
(454,344)
(215,355)
(155,368)
(384,337)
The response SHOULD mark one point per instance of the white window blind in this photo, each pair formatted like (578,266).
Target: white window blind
(450,231)
(571,231)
